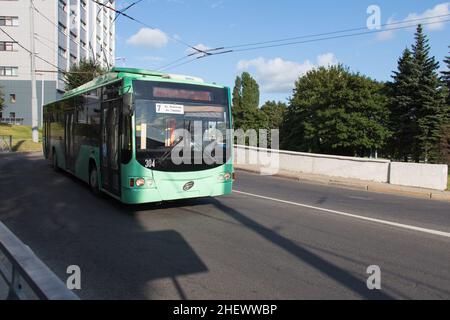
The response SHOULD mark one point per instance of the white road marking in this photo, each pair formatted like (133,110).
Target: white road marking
(349,215)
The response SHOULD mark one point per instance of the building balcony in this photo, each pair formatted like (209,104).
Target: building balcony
(62,40)
(62,63)
(83,14)
(62,17)
(83,35)
(83,54)
(73,49)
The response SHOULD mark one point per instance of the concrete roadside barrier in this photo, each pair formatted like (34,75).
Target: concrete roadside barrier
(417,175)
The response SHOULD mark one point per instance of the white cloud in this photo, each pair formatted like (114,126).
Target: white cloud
(426,17)
(388,33)
(151,38)
(217,4)
(326,59)
(200,46)
(278,75)
(438,10)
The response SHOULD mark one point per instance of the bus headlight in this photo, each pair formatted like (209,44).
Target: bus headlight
(140,182)
(225,177)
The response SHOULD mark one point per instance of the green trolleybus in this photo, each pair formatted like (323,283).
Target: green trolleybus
(118,134)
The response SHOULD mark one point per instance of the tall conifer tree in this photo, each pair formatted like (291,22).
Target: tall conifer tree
(403,117)
(430,107)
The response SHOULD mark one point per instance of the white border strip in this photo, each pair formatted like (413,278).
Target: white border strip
(349,215)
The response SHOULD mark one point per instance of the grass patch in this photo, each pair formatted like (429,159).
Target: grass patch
(21,138)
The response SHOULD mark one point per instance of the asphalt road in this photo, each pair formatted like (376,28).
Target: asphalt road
(252,245)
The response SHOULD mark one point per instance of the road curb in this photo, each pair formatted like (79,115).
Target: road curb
(18,153)
(359,185)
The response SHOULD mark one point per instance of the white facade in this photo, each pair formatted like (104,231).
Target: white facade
(65,32)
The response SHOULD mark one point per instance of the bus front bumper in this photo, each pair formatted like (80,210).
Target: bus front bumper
(172,191)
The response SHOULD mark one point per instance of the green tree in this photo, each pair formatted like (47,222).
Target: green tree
(337,112)
(444,144)
(81,73)
(403,116)
(274,112)
(237,100)
(246,111)
(446,77)
(430,107)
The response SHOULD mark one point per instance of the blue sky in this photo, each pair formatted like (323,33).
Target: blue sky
(215,23)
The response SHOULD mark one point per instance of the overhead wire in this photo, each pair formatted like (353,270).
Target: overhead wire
(151,27)
(228,50)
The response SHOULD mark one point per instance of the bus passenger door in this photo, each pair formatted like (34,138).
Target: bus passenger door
(110,147)
(69,141)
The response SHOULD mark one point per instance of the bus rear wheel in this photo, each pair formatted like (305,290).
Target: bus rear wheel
(93,180)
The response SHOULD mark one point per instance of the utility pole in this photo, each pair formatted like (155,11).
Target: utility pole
(34,106)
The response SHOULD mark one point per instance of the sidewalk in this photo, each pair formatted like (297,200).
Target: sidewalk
(356,184)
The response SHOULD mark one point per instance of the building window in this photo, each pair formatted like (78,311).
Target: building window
(62,5)
(6,46)
(12,115)
(1,115)
(61,76)
(9,71)
(73,59)
(12,98)
(9,21)
(62,52)
(62,28)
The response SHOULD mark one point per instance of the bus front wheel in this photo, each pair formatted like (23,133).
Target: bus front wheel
(93,180)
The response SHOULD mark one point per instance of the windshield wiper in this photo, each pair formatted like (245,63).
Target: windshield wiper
(168,152)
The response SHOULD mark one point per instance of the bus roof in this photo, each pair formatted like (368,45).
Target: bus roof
(141,74)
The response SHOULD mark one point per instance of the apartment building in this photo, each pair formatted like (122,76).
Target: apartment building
(65,31)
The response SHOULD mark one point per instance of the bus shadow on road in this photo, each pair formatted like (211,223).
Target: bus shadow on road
(64,224)
(153,207)
(341,276)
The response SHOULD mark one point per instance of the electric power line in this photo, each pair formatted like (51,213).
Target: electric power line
(43,43)
(45,38)
(339,31)
(336,37)
(126,9)
(38,57)
(57,26)
(70,38)
(150,27)
(227,49)
(258,47)
(28,50)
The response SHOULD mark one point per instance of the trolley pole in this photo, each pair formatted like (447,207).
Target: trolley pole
(34,106)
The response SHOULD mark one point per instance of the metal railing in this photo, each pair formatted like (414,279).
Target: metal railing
(13,121)
(5,144)
(24,275)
